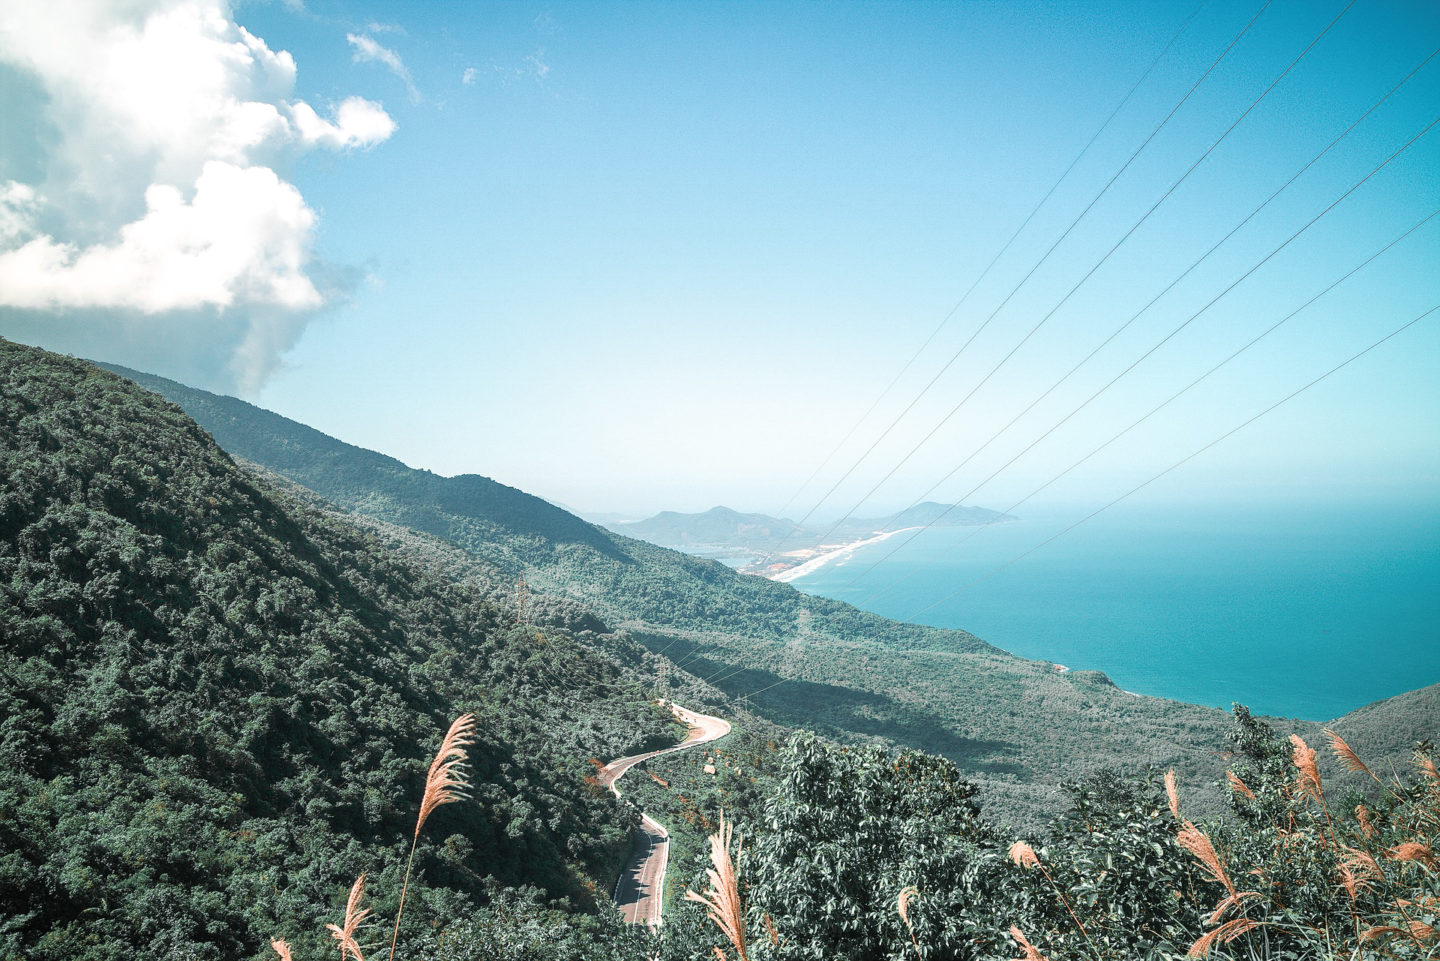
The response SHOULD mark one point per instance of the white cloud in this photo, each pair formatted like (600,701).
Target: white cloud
(17,209)
(538,68)
(243,237)
(367,50)
(468,77)
(358,123)
(161,194)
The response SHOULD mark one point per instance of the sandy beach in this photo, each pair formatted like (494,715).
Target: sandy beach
(826,553)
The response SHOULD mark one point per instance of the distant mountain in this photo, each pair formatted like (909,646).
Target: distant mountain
(1016,727)
(719,530)
(745,540)
(939,515)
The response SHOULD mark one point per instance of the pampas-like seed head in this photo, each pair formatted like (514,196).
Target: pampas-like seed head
(1362,814)
(281,948)
(1172,794)
(1197,843)
(1412,851)
(1024,855)
(722,898)
(1343,752)
(446,781)
(1238,785)
(902,904)
(1304,759)
(1032,953)
(1224,934)
(354,917)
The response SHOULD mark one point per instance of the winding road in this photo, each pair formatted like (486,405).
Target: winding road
(639,890)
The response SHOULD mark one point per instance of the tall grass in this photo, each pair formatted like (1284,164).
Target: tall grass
(722,897)
(445,783)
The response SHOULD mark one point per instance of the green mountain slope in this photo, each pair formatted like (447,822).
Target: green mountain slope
(721,529)
(1016,727)
(719,526)
(217,705)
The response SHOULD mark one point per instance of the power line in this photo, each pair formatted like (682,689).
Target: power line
(1173,397)
(994,260)
(1184,460)
(1090,273)
(1096,199)
(1121,329)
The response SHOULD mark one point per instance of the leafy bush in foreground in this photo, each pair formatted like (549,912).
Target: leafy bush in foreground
(866,855)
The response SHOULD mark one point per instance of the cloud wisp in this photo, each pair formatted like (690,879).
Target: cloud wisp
(163,218)
(365,49)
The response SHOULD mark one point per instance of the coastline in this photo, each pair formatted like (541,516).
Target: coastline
(825,556)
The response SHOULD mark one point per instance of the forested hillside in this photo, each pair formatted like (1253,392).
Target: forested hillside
(217,706)
(1015,727)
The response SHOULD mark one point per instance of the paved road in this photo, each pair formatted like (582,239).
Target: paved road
(638,890)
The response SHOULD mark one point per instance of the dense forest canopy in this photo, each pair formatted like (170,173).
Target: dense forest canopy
(1016,728)
(218,704)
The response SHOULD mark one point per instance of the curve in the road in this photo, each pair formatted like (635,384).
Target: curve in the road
(639,890)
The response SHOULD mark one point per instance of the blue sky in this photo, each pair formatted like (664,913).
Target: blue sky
(644,256)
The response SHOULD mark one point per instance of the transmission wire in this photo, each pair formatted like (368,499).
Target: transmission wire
(1184,460)
(1173,397)
(885,433)
(994,260)
(1101,262)
(1121,329)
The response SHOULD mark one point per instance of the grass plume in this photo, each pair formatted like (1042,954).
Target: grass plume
(902,905)
(722,898)
(1032,953)
(354,916)
(445,783)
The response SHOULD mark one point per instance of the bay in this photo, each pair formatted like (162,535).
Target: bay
(1308,611)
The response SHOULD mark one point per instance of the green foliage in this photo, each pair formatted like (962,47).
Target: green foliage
(1016,728)
(1117,876)
(218,703)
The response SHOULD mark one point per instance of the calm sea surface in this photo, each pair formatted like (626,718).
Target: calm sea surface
(1297,613)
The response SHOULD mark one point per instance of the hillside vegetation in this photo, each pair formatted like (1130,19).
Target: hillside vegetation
(217,705)
(1015,727)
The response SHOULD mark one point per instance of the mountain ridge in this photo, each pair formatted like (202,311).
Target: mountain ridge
(1016,727)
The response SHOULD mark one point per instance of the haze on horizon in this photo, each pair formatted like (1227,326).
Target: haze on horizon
(656,256)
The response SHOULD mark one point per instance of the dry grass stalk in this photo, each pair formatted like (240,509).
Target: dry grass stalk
(1197,843)
(281,948)
(1032,953)
(445,783)
(1238,785)
(722,898)
(770,930)
(1304,759)
(1351,759)
(1370,934)
(902,905)
(354,917)
(1362,814)
(1024,855)
(1412,851)
(1224,934)
(1172,794)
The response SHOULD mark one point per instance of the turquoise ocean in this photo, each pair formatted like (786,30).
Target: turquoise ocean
(1294,612)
